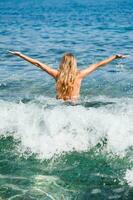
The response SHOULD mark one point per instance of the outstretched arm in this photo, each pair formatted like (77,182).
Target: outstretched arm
(93,67)
(46,68)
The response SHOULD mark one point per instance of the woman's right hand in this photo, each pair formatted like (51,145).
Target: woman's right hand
(16,53)
(120,56)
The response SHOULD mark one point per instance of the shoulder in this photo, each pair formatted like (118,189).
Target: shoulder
(79,75)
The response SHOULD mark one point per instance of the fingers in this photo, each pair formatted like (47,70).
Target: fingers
(124,56)
(14,52)
(121,56)
(11,52)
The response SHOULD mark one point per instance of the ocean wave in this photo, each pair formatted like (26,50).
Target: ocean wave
(129,177)
(47,127)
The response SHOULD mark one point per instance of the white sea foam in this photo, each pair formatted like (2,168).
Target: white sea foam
(57,128)
(129,177)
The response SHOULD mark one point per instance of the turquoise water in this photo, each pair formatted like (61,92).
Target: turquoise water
(51,150)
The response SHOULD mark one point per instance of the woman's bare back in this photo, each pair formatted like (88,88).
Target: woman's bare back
(75,93)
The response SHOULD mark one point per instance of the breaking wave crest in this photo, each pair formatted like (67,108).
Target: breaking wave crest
(47,127)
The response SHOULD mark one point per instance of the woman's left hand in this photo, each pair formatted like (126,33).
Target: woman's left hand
(16,53)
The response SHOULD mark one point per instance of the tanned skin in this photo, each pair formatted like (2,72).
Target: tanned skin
(80,74)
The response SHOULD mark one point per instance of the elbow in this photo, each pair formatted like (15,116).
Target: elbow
(37,64)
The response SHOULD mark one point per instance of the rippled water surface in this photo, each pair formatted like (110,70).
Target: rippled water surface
(51,150)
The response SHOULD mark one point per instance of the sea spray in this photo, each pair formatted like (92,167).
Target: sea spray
(48,131)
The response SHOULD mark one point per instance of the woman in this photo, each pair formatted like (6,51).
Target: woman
(68,77)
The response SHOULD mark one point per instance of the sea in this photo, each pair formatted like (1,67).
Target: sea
(51,150)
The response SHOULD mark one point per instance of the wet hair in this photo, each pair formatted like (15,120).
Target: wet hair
(67,76)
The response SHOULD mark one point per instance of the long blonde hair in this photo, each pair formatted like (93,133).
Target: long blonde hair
(67,76)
